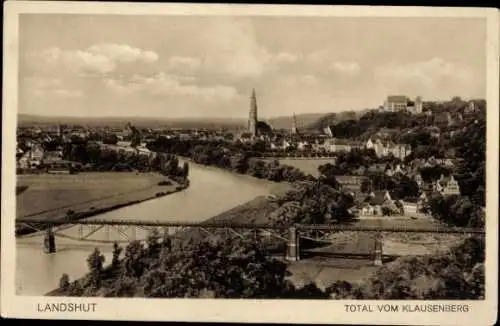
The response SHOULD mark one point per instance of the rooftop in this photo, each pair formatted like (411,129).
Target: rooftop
(396,99)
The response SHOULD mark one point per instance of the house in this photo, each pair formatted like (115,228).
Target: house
(410,206)
(328,131)
(447,186)
(418,106)
(370,144)
(340,145)
(334,160)
(366,209)
(36,152)
(376,168)
(27,162)
(471,108)
(19,152)
(302,145)
(449,119)
(56,165)
(396,103)
(374,202)
(23,162)
(285,144)
(350,183)
(385,148)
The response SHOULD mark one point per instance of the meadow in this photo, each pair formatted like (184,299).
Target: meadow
(308,166)
(53,195)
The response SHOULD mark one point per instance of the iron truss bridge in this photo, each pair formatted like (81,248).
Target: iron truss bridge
(291,236)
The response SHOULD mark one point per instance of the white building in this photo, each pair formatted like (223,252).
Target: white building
(396,103)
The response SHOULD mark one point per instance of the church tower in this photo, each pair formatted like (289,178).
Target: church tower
(294,124)
(252,119)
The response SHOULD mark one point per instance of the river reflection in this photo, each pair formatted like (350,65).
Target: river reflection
(211,192)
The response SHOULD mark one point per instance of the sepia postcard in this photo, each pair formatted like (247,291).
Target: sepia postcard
(250,163)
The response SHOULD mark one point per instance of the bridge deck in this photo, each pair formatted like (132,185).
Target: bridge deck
(219,224)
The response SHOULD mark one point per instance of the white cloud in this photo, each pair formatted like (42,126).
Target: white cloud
(348,68)
(231,49)
(435,77)
(430,71)
(75,61)
(49,87)
(186,64)
(123,53)
(170,85)
(319,58)
(99,58)
(68,93)
(298,81)
(41,82)
(285,57)
(61,92)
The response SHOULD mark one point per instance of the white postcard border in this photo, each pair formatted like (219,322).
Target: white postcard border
(221,310)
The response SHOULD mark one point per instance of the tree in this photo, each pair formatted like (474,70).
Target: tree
(116,255)
(111,139)
(134,259)
(456,211)
(366,186)
(154,246)
(64,282)
(406,188)
(386,211)
(185,169)
(226,268)
(239,163)
(95,264)
(457,274)
(328,175)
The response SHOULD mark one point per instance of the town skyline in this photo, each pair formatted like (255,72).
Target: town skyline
(96,68)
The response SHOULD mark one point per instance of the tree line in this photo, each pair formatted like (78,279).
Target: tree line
(456,210)
(230,157)
(93,157)
(237,268)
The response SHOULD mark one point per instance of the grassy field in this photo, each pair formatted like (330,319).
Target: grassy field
(51,196)
(308,166)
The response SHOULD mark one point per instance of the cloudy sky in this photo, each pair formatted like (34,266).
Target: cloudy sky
(173,66)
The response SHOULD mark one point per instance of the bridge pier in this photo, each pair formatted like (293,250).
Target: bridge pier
(292,250)
(378,250)
(49,242)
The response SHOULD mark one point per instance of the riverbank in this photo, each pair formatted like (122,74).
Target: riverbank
(87,194)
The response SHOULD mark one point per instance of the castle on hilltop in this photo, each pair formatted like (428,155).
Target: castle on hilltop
(396,103)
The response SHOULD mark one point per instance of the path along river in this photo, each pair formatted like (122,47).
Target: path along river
(211,192)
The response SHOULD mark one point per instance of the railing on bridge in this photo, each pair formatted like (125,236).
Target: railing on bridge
(291,234)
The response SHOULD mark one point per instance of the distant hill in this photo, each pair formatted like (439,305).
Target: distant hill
(139,122)
(305,121)
(285,122)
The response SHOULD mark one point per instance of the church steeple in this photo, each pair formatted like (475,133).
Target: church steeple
(294,124)
(252,119)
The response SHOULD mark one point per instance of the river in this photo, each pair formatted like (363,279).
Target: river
(211,192)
